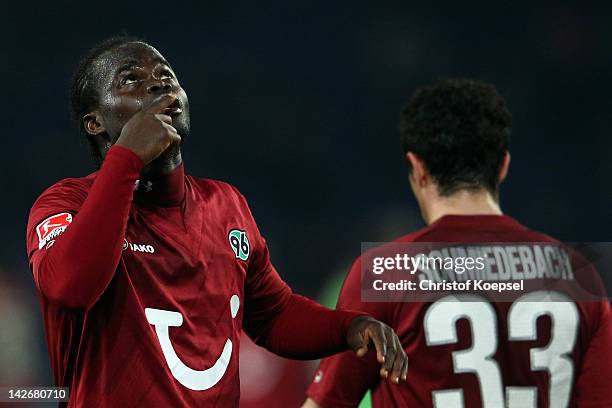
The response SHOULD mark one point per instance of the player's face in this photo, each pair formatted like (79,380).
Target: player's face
(131,77)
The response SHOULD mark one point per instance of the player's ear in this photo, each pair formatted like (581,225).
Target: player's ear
(93,123)
(419,171)
(503,169)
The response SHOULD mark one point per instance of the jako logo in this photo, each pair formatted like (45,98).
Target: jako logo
(138,247)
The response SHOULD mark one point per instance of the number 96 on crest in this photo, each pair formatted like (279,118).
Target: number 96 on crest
(240,244)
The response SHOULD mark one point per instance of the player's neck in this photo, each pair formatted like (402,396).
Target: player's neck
(164,164)
(463,202)
(162,182)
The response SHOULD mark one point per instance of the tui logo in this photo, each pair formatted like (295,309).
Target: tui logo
(197,380)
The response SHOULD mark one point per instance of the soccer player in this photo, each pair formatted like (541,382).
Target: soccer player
(455,136)
(147,276)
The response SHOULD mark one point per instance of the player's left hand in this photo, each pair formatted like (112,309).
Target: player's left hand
(365,333)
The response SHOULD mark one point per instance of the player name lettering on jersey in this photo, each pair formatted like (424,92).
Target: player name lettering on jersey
(504,263)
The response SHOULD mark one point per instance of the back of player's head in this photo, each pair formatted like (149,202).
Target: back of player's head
(460,129)
(84,90)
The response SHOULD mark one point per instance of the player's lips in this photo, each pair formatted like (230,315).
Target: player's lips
(174,109)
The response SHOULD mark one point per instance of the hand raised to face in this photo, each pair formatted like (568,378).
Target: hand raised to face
(149,132)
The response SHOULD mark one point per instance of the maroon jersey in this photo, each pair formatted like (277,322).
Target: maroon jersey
(479,353)
(144,294)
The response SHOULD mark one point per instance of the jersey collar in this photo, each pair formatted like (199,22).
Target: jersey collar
(493,222)
(163,191)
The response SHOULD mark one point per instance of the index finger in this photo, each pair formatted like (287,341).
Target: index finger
(160,103)
(380,343)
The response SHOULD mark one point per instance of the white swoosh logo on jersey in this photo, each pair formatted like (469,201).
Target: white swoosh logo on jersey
(198,380)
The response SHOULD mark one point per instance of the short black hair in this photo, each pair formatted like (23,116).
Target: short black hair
(460,128)
(84,96)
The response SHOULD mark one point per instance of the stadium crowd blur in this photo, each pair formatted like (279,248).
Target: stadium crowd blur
(297,105)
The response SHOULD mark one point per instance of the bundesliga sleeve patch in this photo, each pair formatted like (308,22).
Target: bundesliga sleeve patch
(52,227)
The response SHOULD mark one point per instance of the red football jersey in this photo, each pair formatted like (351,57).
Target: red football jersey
(479,353)
(165,331)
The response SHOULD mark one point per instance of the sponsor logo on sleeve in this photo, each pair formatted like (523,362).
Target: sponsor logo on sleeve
(52,227)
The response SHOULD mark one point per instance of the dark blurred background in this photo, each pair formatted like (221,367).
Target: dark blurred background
(297,105)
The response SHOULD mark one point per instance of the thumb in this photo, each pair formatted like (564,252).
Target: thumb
(363,346)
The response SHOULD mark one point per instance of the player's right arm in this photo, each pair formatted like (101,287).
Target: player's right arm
(73,256)
(343,379)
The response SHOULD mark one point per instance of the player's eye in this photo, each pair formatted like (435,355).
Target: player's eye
(166,74)
(129,79)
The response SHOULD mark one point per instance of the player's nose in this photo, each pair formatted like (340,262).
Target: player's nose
(158,87)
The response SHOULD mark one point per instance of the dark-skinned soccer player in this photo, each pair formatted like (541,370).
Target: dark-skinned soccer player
(147,276)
